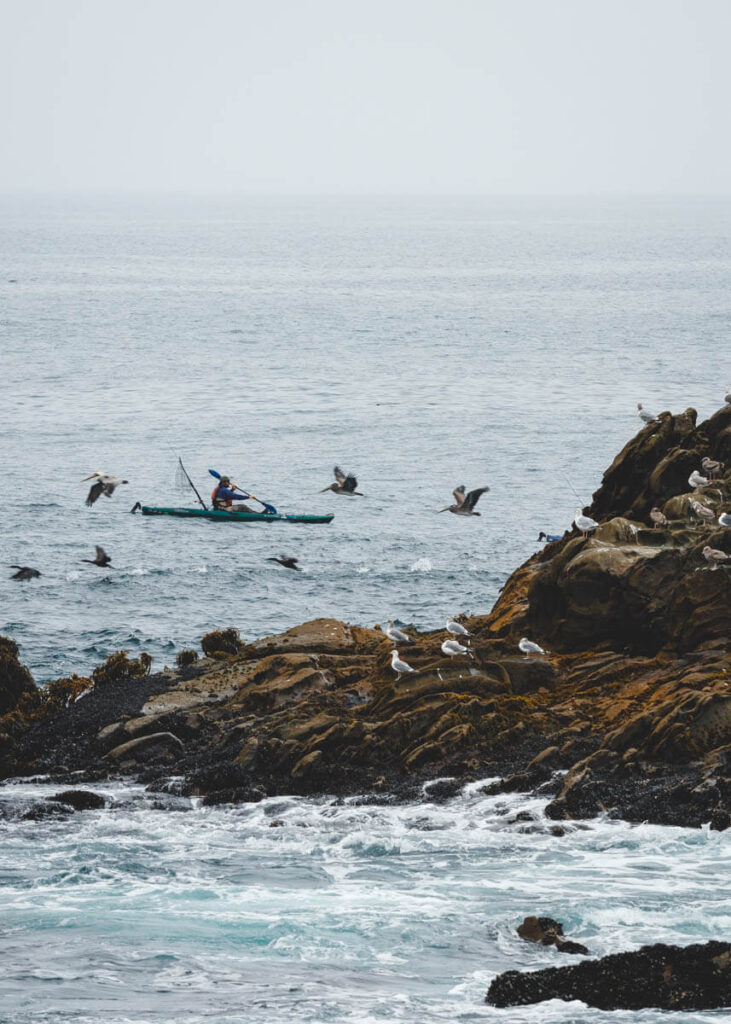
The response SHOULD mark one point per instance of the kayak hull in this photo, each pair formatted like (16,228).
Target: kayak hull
(222,516)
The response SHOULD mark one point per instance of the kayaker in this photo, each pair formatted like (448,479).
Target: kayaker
(224,495)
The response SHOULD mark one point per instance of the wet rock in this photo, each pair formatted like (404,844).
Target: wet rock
(16,682)
(148,748)
(80,799)
(667,977)
(548,932)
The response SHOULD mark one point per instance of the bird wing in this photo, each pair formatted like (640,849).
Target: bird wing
(350,483)
(94,491)
(458,493)
(339,475)
(101,553)
(109,488)
(473,497)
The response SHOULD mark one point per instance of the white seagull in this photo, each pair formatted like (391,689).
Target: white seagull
(399,666)
(454,647)
(396,635)
(702,511)
(644,415)
(713,556)
(456,628)
(725,519)
(528,647)
(727,398)
(696,480)
(584,523)
(105,484)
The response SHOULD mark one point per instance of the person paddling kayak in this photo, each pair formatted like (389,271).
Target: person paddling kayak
(224,495)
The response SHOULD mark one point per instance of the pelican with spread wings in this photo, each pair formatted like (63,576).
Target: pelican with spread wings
(465,503)
(105,484)
(345,483)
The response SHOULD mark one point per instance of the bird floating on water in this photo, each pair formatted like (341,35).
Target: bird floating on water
(658,518)
(105,484)
(345,483)
(453,647)
(102,559)
(644,415)
(25,572)
(548,537)
(395,634)
(399,666)
(465,503)
(714,557)
(456,628)
(696,480)
(725,519)
(584,523)
(288,563)
(528,647)
(712,467)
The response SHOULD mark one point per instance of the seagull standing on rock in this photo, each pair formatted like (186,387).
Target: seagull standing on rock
(702,511)
(528,647)
(696,480)
(399,666)
(584,523)
(724,519)
(456,628)
(644,415)
(453,647)
(712,467)
(658,518)
(714,557)
(396,635)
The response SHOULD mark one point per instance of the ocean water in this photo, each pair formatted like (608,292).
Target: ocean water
(419,343)
(322,911)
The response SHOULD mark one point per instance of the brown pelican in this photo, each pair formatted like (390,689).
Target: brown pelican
(696,480)
(644,415)
(465,503)
(713,556)
(344,483)
(453,647)
(711,467)
(395,635)
(105,484)
(102,559)
(658,518)
(528,647)
(584,523)
(288,563)
(399,666)
(24,572)
(456,628)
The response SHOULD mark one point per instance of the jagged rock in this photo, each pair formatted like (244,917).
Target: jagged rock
(668,977)
(79,799)
(147,748)
(16,682)
(548,932)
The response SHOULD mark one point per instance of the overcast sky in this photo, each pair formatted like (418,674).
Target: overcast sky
(488,96)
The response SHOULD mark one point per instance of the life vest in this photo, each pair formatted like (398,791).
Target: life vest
(227,503)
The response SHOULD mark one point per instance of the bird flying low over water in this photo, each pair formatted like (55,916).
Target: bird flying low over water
(345,483)
(399,666)
(584,523)
(644,415)
(105,484)
(465,503)
(696,480)
(396,635)
(102,559)
(288,563)
(714,557)
(528,647)
(25,572)
(456,628)
(453,647)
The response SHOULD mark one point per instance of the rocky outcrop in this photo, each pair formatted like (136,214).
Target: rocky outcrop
(548,932)
(668,977)
(632,702)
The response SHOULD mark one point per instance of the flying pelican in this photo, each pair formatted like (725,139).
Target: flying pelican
(344,483)
(102,559)
(548,537)
(456,628)
(644,415)
(396,635)
(584,523)
(696,480)
(465,503)
(105,484)
(399,666)
(703,511)
(713,556)
(288,563)
(711,467)
(24,572)
(528,647)
(658,518)
(454,647)
(725,519)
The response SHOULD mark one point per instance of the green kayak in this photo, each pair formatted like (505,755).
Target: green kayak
(233,517)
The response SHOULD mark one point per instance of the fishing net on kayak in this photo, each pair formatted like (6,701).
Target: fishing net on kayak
(184,485)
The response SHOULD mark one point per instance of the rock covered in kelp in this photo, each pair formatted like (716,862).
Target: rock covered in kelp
(16,682)
(548,932)
(667,977)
